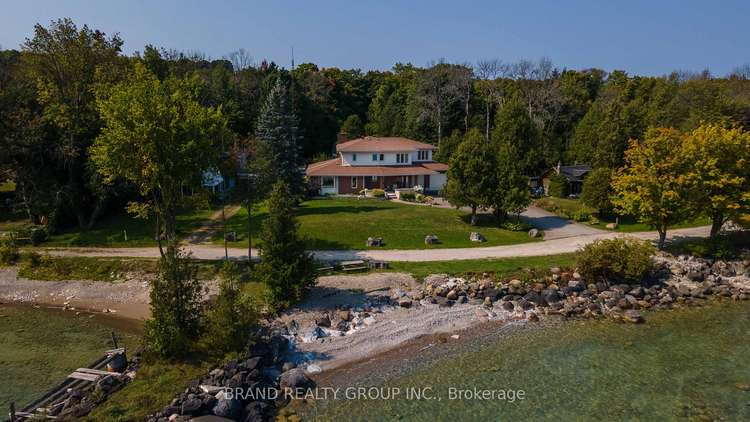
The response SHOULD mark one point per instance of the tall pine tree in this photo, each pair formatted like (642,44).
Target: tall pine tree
(286,268)
(278,131)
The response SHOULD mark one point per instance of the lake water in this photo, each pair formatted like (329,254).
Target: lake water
(689,364)
(40,347)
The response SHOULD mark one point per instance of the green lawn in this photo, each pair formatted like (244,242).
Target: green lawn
(500,267)
(345,223)
(110,231)
(574,209)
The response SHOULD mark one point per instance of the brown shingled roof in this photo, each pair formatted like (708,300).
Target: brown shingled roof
(377,144)
(334,168)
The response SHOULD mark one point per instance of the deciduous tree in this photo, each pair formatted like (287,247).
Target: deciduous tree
(652,185)
(719,173)
(67,64)
(159,138)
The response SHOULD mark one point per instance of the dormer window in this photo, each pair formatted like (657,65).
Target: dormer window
(382,157)
(402,158)
(354,157)
(374,157)
(423,155)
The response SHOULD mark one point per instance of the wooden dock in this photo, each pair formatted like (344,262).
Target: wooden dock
(83,379)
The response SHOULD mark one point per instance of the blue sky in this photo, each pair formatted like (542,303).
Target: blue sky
(642,37)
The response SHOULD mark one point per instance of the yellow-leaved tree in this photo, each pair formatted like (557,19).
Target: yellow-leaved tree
(719,173)
(652,185)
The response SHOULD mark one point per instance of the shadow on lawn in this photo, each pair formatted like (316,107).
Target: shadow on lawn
(307,210)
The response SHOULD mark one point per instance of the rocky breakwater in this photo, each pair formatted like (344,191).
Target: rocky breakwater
(343,321)
(675,281)
(249,389)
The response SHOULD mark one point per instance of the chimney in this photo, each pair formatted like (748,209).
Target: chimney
(342,137)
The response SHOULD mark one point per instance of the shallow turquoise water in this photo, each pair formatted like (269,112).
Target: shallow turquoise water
(680,365)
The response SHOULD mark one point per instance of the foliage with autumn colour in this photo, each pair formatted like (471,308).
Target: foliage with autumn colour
(719,173)
(653,185)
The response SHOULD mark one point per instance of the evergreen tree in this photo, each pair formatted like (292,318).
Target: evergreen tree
(176,296)
(286,268)
(353,127)
(471,174)
(232,315)
(597,189)
(511,193)
(278,131)
(514,127)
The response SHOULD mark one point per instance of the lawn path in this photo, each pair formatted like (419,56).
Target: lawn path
(547,247)
(211,227)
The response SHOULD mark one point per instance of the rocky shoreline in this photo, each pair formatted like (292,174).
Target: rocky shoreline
(285,359)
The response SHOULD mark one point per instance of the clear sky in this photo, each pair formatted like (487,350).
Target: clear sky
(642,37)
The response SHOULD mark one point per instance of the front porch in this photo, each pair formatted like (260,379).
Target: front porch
(343,185)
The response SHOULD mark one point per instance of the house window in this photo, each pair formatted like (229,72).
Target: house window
(374,178)
(354,182)
(354,157)
(382,156)
(374,157)
(327,182)
(402,158)
(423,155)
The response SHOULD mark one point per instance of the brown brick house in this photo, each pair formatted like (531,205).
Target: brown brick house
(382,163)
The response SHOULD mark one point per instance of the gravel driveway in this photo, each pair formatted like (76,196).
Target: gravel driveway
(546,247)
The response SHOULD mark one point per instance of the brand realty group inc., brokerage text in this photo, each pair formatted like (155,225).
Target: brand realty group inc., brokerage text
(376,393)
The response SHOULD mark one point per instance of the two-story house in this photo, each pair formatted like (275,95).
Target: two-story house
(382,163)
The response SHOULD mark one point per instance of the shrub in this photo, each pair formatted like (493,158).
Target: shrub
(37,234)
(419,197)
(580,215)
(32,259)
(516,226)
(548,205)
(231,317)
(378,193)
(724,246)
(408,196)
(558,186)
(616,260)
(8,252)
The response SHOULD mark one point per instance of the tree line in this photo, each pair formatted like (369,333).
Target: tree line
(49,114)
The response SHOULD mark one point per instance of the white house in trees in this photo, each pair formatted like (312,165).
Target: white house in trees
(383,163)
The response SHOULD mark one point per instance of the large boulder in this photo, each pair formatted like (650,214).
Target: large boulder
(477,237)
(191,406)
(404,302)
(633,316)
(295,379)
(228,408)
